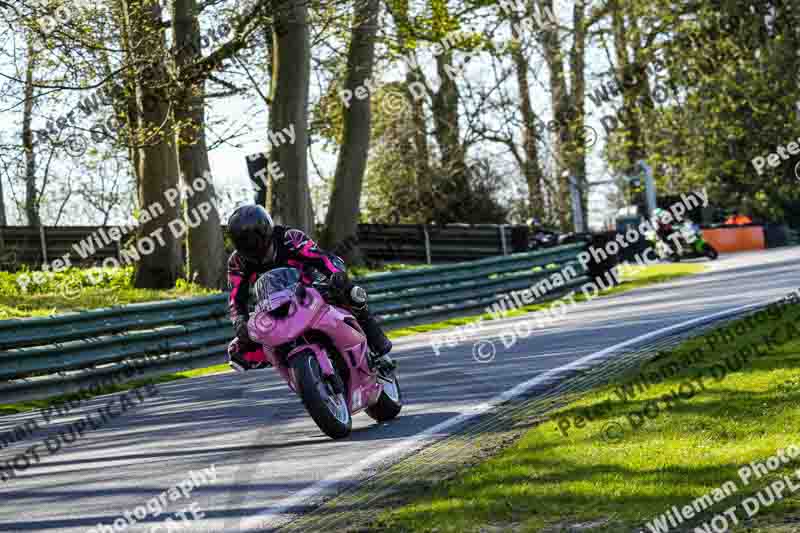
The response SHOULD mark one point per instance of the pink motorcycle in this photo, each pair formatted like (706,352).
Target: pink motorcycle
(321,352)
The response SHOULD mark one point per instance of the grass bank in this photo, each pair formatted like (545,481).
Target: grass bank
(39,294)
(632,453)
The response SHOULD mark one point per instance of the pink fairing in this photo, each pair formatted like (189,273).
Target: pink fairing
(315,315)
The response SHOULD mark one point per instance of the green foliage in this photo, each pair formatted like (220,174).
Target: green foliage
(28,282)
(33,293)
(188,286)
(393,192)
(731,82)
(400,190)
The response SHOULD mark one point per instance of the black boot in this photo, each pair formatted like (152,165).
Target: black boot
(379,344)
(377,341)
(236,360)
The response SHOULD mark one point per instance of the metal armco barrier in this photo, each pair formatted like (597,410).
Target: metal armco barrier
(42,357)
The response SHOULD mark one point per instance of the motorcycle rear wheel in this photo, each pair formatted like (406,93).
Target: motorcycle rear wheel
(327,408)
(390,402)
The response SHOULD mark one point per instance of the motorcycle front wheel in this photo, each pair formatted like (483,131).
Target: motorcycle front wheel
(326,407)
(711,252)
(390,402)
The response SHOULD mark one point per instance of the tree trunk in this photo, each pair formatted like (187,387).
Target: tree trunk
(416,86)
(422,161)
(3,220)
(205,246)
(341,221)
(631,78)
(31,194)
(559,97)
(445,106)
(531,169)
(576,138)
(157,161)
(455,184)
(569,146)
(291,196)
(129,109)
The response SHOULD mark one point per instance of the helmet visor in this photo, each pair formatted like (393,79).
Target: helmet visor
(253,247)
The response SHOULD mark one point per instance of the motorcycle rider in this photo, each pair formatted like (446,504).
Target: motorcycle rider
(664,229)
(540,237)
(262,246)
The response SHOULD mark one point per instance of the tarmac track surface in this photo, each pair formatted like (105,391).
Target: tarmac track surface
(271,460)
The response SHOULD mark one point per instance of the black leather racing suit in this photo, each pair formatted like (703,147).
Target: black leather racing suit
(290,248)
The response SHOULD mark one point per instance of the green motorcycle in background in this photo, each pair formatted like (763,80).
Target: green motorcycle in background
(692,245)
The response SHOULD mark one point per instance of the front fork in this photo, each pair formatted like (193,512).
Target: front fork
(328,373)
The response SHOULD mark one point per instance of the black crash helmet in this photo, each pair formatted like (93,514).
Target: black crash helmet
(251,228)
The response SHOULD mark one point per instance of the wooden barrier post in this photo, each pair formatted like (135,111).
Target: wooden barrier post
(503,243)
(43,240)
(427,243)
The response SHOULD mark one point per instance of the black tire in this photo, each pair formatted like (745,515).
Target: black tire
(316,394)
(711,252)
(387,408)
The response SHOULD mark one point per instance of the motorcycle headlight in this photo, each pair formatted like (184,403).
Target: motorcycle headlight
(261,322)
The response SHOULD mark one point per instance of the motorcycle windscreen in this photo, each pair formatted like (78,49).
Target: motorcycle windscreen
(276,288)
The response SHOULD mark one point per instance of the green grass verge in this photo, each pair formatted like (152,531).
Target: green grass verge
(40,294)
(43,305)
(587,481)
(358,272)
(632,278)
